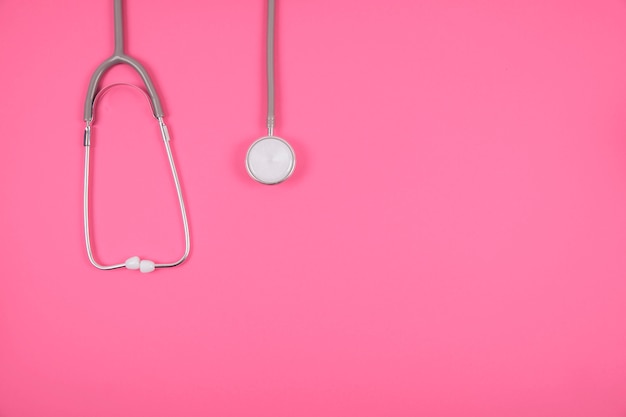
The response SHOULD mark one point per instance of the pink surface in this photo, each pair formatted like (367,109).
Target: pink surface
(452,242)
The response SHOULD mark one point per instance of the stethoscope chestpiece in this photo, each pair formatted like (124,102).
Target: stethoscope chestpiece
(270,160)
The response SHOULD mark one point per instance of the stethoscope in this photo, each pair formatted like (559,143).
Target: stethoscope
(119,57)
(270,159)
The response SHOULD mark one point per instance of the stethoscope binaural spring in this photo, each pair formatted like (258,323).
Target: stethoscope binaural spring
(119,57)
(270,159)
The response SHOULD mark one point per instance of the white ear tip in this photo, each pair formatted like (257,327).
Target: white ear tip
(132,263)
(146,266)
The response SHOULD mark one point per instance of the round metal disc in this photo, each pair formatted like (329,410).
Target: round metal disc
(270,160)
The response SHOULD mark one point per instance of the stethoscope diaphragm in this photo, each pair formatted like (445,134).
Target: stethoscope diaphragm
(270,160)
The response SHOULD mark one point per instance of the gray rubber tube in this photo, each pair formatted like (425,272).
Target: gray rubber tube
(271,7)
(119,27)
(119,57)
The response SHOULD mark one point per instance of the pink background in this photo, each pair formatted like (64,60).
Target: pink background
(451,243)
